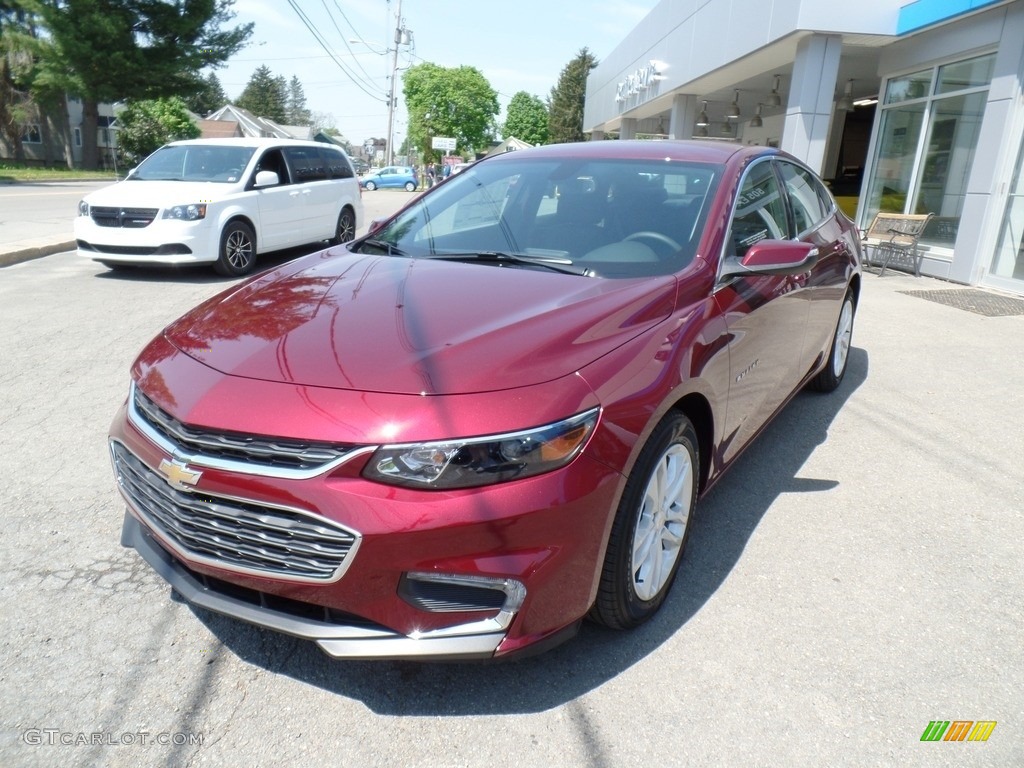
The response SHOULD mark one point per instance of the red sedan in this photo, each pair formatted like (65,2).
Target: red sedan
(491,417)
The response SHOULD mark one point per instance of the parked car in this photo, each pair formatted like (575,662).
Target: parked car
(390,176)
(222,201)
(492,416)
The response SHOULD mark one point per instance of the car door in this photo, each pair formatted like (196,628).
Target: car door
(766,315)
(815,220)
(316,218)
(279,206)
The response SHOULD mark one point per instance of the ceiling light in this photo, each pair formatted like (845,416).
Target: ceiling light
(734,108)
(774,100)
(757,122)
(702,118)
(866,102)
(727,129)
(702,132)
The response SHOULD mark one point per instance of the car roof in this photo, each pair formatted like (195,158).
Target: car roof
(718,152)
(253,142)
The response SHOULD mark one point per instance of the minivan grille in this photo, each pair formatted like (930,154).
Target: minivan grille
(236,535)
(133,218)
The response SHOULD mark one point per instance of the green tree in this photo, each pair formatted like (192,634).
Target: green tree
(526,119)
(565,106)
(112,50)
(265,95)
(296,112)
(147,125)
(208,97)
(453,102)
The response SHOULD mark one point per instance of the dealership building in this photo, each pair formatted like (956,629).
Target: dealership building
(903,107)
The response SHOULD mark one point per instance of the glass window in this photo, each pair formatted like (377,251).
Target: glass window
(898,136)
(32,135)
(760,212)
(915,86)
(973,73)
(805,198)
(336,163)
(306,163)
(1008,261)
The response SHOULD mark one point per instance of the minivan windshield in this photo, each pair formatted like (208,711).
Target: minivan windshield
(195,162)
(594,217)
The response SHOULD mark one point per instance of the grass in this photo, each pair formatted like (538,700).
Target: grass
(16,172)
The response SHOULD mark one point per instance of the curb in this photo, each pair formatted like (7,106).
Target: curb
(27,254)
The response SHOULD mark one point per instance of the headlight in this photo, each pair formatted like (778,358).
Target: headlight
(190,212)
(83,208)
(446,464)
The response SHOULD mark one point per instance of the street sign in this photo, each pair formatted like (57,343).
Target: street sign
(443,142)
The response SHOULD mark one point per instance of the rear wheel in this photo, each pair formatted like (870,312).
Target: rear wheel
(832,374)
(237,250)
(410,187)
(651,527)
(346,229)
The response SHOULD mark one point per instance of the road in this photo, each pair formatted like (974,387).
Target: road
(856,576)
(27,209)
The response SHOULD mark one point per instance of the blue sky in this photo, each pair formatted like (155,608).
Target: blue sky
(520,46)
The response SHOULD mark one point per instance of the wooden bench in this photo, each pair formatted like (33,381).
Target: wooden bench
(895,236)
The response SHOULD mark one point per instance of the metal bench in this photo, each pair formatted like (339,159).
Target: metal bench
(895,237)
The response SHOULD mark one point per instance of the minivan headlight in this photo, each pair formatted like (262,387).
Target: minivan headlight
(187,212)
(83,208)
(471,462)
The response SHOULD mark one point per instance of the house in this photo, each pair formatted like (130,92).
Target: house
(43,143)
(251,126)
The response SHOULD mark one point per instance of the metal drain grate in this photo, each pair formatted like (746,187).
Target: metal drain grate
(973,300)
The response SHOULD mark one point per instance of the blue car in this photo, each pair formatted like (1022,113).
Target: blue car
(391,176)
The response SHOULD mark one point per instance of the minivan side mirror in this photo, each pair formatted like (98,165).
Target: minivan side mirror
(266,179)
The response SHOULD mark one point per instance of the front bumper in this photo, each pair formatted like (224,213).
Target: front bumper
(164,241)
(355,640)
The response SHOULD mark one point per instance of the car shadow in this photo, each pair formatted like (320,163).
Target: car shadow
(726,519)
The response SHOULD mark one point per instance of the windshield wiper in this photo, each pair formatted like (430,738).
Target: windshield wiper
(555,263)
(384,245)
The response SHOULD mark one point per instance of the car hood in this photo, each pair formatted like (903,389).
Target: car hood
(159,194)
(416,326)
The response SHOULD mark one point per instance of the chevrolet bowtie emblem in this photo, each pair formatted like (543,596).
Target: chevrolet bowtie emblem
(178,474)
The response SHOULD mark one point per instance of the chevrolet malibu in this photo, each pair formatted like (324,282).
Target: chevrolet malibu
(491,417)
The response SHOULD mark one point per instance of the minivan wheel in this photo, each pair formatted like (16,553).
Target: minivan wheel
(410,187)
(237,250)
(832,374)
(346,229)
(651,527)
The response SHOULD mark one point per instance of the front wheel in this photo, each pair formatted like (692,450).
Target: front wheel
(371,186)
(237,250)
(651,527)
(410,187)
(832,374)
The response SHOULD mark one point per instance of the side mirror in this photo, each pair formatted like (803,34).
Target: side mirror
(266,179)
(773,257)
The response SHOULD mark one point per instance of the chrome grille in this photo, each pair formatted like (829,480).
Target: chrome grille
(132,218)
(237,535)
(254,449)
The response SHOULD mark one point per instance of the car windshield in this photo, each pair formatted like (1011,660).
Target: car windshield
(595,217)
(190,162)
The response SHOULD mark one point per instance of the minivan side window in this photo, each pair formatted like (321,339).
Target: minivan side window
(306,163)
(273,160)
(337,164)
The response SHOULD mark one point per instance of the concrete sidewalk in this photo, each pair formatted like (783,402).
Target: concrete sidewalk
(33,248)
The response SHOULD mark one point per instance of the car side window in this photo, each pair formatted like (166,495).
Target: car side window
(760,211)
(337,164)
(805,199)
(306,163)
(273,160)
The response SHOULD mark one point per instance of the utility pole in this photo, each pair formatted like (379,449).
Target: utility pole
(389,154)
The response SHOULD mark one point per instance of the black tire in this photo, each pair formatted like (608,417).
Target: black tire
(630,591)
(346,229)
(370,186)
(832,374)
(237,250)
(410,187)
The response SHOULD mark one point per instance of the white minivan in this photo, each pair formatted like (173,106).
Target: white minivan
(223,202)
